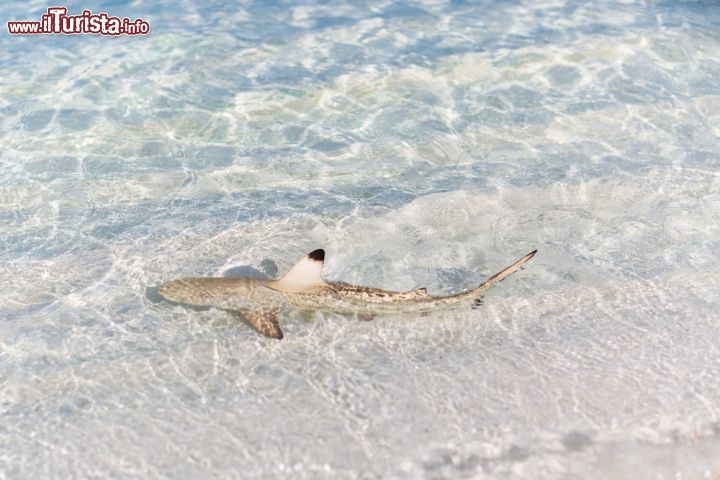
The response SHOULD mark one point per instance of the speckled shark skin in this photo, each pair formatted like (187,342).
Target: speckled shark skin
(261,301)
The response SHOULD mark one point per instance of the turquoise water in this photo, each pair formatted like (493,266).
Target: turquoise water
(422,145)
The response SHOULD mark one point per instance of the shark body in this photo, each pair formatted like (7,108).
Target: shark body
(261,301)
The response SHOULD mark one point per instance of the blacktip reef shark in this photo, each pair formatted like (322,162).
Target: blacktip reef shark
(261,301)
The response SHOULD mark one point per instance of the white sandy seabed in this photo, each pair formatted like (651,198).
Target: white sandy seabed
(130,164)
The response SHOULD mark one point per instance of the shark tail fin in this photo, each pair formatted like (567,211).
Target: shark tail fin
(500,276)
(305,274)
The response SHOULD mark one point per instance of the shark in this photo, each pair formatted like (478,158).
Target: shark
(260,301)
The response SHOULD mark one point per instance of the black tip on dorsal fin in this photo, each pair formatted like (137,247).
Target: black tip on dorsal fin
(318,255)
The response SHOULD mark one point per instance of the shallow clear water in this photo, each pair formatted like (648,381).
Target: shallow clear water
(424,144)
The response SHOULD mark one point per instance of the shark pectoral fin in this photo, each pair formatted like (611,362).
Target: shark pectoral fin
(264,320)
(365,317)
(304,275)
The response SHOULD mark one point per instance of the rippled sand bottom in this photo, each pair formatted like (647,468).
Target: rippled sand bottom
(420,146)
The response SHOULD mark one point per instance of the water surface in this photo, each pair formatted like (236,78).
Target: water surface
(423,144)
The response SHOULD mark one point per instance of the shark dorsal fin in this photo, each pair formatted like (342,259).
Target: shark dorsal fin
(418,292)
(305,274)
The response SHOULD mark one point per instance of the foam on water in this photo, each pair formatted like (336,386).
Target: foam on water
(426,145)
